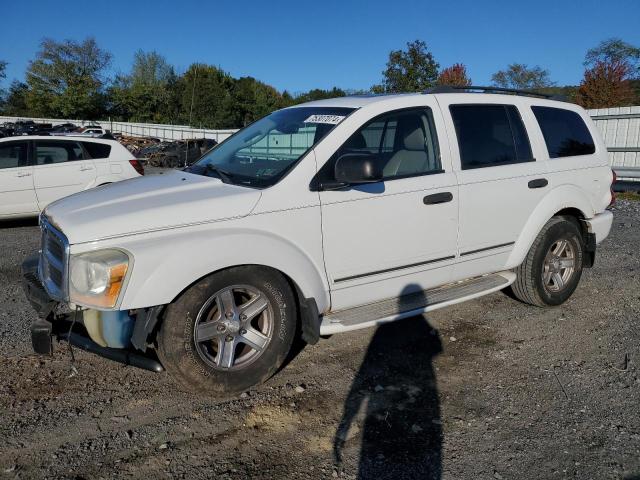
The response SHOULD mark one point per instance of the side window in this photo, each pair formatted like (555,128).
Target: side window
(404,142)
(48,152)
(13,154)
(490,135)
(97,150)
(564,132)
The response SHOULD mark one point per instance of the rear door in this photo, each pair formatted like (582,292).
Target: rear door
(17,196)
(500,180)
(60,169)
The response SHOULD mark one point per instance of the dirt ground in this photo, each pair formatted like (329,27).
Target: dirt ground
(490,389)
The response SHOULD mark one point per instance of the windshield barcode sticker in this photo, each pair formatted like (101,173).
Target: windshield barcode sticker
(331,119)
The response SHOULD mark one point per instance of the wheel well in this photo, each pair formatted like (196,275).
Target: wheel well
(577,216)
(297,295)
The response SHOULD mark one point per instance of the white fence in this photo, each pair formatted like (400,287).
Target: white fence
(620,128)
(161,131)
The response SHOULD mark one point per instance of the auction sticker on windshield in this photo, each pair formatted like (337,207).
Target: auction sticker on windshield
(331,119)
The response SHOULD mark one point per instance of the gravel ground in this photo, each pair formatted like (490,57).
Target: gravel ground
(488,389)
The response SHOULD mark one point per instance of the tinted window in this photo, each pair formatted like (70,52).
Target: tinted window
(13,154)
(564,132)
(490,135)
(404,143)
(48,152)
(97,150)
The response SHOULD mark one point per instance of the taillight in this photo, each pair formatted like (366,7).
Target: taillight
(613,181)
(137,165)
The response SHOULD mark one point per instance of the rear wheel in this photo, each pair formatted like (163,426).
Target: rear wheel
(230,331)
(552,269)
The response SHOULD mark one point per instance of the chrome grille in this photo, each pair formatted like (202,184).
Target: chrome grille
(54,260)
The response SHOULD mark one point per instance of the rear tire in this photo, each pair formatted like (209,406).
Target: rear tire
(230,331)
(552,269)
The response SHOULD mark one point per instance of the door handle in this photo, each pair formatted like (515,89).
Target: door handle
(434,199)
(23,175)
(84,169)
(538,183)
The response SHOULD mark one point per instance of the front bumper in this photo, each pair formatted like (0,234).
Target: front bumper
(38,297)
(52,324)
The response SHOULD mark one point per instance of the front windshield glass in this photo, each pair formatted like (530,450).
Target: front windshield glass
(260,154)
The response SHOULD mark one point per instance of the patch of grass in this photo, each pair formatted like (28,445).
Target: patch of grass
(634,196)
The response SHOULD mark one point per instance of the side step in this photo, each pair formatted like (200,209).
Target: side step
(413,304)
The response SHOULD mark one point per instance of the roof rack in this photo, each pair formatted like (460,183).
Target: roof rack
(471,88)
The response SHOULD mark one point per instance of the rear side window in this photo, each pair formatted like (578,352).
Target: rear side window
(97,150)
(490,135)
(49,152)
(564,132)
(13,154)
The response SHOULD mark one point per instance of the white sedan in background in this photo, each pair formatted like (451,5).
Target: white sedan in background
(37,170)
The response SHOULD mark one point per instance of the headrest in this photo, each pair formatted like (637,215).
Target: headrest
(411,133)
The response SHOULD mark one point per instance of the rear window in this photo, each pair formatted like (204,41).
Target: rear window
(564,132)
(490,135)
(97,150)
(49,152)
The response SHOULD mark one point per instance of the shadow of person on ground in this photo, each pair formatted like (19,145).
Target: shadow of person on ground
(396,385)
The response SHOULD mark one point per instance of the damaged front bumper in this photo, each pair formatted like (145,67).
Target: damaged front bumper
(52,323)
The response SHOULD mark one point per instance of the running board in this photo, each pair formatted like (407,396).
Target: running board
(413,304)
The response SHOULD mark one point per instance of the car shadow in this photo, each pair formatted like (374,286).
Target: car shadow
(19,222)
(401,433)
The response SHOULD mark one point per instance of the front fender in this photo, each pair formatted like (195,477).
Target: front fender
(559,198)
(167,262)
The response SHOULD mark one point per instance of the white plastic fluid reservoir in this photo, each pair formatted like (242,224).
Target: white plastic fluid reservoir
(117,328)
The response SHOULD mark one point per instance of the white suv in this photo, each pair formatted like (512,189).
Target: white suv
(36,170)
(323,218)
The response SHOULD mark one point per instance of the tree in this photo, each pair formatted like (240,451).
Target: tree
(145,95)
(67,79)
(151,68)
(15,102)
(3,66)
(520,76)
(606,84)
(455,75)
(319,94)
(614,50)
(410,70)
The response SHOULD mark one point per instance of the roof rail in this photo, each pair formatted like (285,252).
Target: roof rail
(471,88)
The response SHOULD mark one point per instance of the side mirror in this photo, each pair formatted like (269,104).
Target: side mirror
(357,168)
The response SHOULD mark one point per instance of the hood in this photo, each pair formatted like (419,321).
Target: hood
(143,204)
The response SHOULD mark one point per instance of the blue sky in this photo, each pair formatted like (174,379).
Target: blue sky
(298,45)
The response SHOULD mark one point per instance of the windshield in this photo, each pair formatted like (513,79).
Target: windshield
(260,154)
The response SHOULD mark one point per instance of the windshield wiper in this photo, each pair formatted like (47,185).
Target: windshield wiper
(224,176)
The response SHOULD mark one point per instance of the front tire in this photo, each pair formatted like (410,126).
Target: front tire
(552,269)
(230,331)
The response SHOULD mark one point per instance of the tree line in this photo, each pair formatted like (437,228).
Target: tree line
(69,79)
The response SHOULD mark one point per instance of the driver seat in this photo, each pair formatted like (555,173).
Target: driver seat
(413,157)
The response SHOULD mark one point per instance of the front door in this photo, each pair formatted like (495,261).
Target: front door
(60,170)
(17,196)
(397,236)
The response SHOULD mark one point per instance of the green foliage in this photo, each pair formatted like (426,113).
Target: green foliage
(3,66)
(15,102)
(520,76)
(410,70)
(66,79)
(148,93)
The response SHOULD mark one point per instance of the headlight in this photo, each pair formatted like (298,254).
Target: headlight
(96,278)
